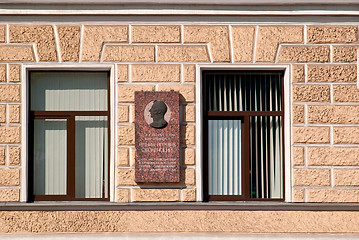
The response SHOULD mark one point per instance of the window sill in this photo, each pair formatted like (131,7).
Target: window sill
(237,206)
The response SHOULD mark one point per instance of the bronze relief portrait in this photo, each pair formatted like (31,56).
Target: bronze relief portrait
(157,114)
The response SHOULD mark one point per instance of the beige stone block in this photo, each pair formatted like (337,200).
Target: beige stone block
(298,195)
(344,53)
(332,73)
(122,73)
(298,74)
(298,113)
(14,156)
(123,195)
(10,93)
(9,195)
(346,177)
(345,93)
(14,113)
(309,224)
(216,36)
(311,93)
(182,53)
(126,135)
(123,113)
(311,134)
(333,195)
(298,156)
(126,177)
(95,36)
(17,53)
(189,155)
(2,155)
(133,115)
(332,34)
(2,33)
(123,156)
(133,156)
(2,113)
(269,38)
(3,71)
(333,114)
(189,113)
(243,43)
(189,73)
(187,91)
(126,92)
(188,134)
(333,156)
(9,177)
(14,72)
(303,53)
(311,177)
(69,41)
(10,134)
(155,73)
(189,195)
(190,176)
(155,34)
(42,35)
(128,53)
(346,135)
(155,195)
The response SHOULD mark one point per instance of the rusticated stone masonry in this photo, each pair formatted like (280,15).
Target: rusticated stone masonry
(324,94)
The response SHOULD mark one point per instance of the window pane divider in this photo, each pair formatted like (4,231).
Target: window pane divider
(243,113)
(70,113)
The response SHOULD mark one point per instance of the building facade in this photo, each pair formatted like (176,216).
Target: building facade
(268,116)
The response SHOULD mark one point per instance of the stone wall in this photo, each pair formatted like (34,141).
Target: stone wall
(325,109)
(334,222)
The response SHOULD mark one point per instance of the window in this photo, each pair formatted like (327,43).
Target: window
(69,135)
(243,132)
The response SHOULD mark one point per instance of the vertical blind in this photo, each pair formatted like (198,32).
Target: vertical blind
(224,154)
(50,159)
(246,91)
(91,157)
(68,91)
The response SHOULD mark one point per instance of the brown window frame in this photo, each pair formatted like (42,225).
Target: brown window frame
(244,117)
(70,123)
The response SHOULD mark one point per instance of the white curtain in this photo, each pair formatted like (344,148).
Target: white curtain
(50,159)
(235,91)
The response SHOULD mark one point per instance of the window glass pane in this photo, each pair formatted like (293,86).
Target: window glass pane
(91,157)
(231,91)
(266,156)
(224,157)
(50,156)
(68,91)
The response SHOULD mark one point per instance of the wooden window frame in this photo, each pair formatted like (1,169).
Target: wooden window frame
(70,131)
(244,117)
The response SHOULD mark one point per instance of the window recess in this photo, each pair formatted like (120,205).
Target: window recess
(69,135)
(243,135)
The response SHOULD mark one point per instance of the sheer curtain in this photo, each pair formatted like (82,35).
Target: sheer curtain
(235,91)
(70,91)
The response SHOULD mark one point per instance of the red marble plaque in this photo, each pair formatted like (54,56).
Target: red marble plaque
(157,137)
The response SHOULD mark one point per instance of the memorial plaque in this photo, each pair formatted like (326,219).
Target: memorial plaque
(157,137)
